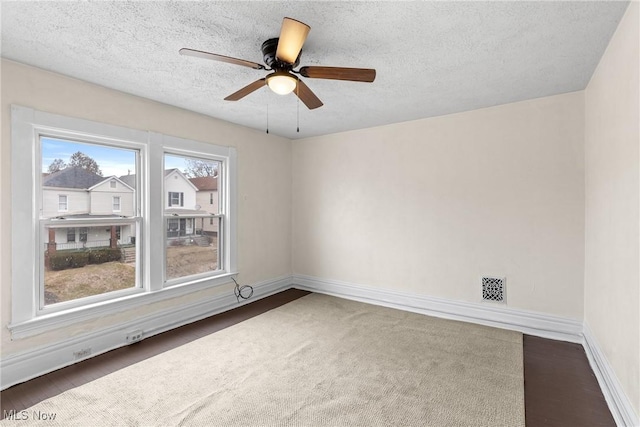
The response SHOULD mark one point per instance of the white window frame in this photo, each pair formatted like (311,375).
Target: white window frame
(194,151)
(66,203)
(113,184)
(27,318)
(114,204)
(180,198)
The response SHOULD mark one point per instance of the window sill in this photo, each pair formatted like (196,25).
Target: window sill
(77,315)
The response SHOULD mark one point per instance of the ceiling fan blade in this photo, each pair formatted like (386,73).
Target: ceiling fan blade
(292,36)
(339,73)
(221,58)
(246,90)
(307,96)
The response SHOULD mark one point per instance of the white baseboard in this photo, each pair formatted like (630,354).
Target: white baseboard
(619,404)
(532,323)
(30,364)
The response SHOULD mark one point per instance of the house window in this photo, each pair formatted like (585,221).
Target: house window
(112,183)
(210,221)
(176,199)
(62,203)
(41,299)
(210,198)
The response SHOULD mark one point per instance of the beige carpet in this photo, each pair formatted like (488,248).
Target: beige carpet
(317,361)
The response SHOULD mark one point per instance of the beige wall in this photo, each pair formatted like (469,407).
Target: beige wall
(430,206)
(612,257)
(264,233)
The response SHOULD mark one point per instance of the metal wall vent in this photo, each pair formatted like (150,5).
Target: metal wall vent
(493,289)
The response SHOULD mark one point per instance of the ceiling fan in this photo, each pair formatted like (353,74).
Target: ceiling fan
(282,55)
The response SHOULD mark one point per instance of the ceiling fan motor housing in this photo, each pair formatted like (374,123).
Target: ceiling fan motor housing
(269,48)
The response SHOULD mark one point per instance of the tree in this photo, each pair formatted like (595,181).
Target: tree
(199,168)
(85,162)
(56,165)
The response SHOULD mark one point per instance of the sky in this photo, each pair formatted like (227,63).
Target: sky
(112,161)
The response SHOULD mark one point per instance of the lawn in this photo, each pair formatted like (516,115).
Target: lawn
(187,260)
(95,279)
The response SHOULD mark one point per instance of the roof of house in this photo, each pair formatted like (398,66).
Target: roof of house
(205,183)
(130,180)
(178,212)
(72,177)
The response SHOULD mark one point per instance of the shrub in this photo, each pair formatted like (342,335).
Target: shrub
(79,259)
(60,261)
(99,256)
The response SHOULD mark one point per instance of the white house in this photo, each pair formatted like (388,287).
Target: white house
(207,199)
(75,193)
(182,201)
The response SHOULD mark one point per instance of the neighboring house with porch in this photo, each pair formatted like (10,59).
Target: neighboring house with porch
(182,201)
(207,199)
(74,193)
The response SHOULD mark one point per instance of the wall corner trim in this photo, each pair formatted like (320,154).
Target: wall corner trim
(26,365)
(619,404)
(532,323)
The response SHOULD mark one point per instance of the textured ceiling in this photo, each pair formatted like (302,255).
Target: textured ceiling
(432,58)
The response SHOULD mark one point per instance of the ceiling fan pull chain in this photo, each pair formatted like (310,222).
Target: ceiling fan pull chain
(267,117)
(298,104)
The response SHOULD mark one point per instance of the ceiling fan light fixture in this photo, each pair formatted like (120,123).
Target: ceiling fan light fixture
(281,82)
(293,34)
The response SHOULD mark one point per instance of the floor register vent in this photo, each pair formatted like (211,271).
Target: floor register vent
(493,289)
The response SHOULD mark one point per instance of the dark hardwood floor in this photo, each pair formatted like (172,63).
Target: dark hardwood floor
(560,388)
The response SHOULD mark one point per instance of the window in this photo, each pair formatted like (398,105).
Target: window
(188,250)
(74,272)
(176,199)
(62,203)
(41,298)
(210,198)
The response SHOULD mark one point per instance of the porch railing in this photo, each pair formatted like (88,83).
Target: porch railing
(64,246)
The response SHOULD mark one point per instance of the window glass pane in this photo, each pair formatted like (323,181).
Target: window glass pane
(83,179)
(87,185)
(102,260)
(192,233)
(62,203)
(190,250)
